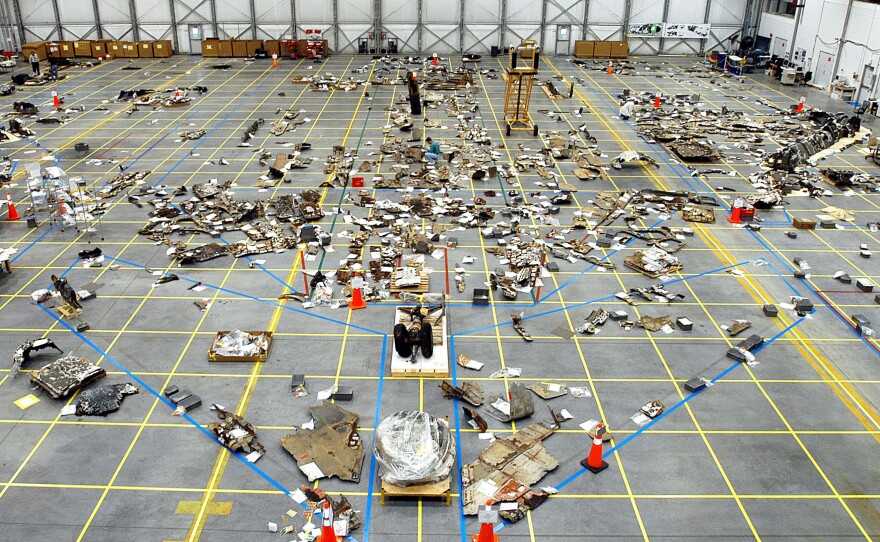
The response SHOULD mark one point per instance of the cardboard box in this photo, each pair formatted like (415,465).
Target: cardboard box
(116,48)
(99,49)
(65,49)
(602,49)
(584,48)
(162,49)
(224,48)
(210,48)
(619,49)
(145,49)
(253,45)
(130,50)
(272,47)
(82,48)
(38,46)
(239,48)
(302,48)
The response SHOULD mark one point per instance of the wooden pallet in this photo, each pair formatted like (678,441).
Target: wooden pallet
(69,312)
(423,288)
(435,490)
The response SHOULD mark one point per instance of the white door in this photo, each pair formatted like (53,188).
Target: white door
(780,47)
(824,67)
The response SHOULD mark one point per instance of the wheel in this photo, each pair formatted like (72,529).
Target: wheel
(401,345)
(427,340)
(508,129)
(535,131)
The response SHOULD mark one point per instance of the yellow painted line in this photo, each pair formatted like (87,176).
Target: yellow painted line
(156,401)
(593,389)
(706,235)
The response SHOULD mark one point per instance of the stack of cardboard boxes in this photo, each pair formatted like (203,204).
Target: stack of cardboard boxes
(106,49)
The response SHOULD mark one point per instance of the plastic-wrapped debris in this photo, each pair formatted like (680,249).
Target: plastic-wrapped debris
(413,448)
(103,400)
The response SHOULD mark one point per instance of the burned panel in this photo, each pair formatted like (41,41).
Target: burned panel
(66,375)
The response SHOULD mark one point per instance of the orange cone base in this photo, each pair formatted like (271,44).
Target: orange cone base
(734,220)
(477,538)
(357,301)
(595,470)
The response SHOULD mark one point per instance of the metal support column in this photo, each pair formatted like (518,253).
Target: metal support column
(627,10)
(174,39)
(214,26)
(705,42)
(132,12)
(6,27)
(57,19)
(336,26)
(840,42)
(419,28)
(543,23)
(665,16)
(503,34)
(293,19)
(461,27)
(586,19)
(253,19)
(98,25)
(19,21)
(798,13)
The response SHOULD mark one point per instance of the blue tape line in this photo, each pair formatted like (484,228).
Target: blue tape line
(369,511)
(34,242)
(168,403)
(214,129)
(254,298)
(458,457)
(669,411)
(597,300)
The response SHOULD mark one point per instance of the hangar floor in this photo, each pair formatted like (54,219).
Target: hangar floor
(785,449)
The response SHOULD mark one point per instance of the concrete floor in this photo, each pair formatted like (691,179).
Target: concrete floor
(786,449)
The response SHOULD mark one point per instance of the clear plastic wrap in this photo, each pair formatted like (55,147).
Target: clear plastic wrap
(413,448)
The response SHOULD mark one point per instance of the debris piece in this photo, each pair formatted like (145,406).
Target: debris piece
(472,392)
(548,390)
(23,353)
(103,400)
(236,434)
(27,401)
(738,326)
(652,409)
(504,471)
(237,345)
(332,448)
(475,420)
(468,363)
(517,404)
(770,311)
(517,325)
(66,375)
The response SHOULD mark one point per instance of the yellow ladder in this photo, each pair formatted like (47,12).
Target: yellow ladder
(517,96)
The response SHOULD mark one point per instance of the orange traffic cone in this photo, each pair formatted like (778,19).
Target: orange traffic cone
(274,60)
(434,62)
(357,298)
(736,212)
(657,99)
(800,107)
(594,462)
(56,102)
(327,532)
(12,214)
(488,517)
(610,68)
